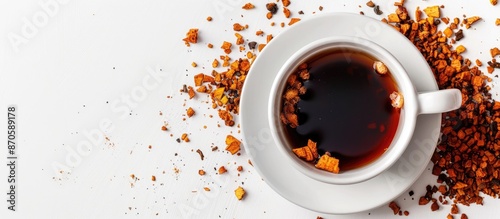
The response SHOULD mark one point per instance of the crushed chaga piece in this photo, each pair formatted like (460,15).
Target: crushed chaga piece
(261,47)
(153,178)
(239,193)
(239,39)
(432,11)
(479,63)
(393,18)
(198,79)
(460,49)
(454,209)
(206,189)
(493,2)
(459,35)
(250,162)
(232,144)
(248,6)
(215,63)
(209,18)
(406,213)
(226,117)
(395,207)
(397,100)
(434,206)
(490,69)
(497,22)
(320,8)
(494,52)
(377,10)
(463,216)
(226,46)
(164,128)
(286,3)
(185,137)
(194,64)
(191,37)
(239,168)
(286,12)
(200,153)
(191,92)
(269,37)
(222,170)
(201,172)
(328,163)
(272,7)
(269,15)
(370,4)
(423,201)
(448,32)
(252,45)
(471,20)
(293,21)
(449,216)
(210,45)
(308,152)
(190,112)
(238,27)
(380,67)
(259,33)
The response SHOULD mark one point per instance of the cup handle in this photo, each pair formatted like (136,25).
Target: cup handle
(439,101)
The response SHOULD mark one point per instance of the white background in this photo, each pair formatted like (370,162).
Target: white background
(89,70)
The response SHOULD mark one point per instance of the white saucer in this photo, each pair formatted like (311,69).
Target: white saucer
(292,184)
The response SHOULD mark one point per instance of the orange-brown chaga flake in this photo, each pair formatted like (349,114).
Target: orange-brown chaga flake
(209,18)
(248,6)
(497,22)
(286,12)
(239,168)
(269,15)
(232,144)
(471,20)
(222,170)
(432,11)
(210,45)
(493,2)
(395,207)
(191,37)
(238,27)
(153,178)
(194,64)
(494,52)
(215,63)
(328,163)
(239,193)
(191,92)
(206,189)
(226,46)
(239,39)
(185,137)
(198,79)
(286,3)
(164,128)
(226,117)
(261,47)
(293,21)
(190,112)
(259,33)
(308,152)
(201,172)
(269,37)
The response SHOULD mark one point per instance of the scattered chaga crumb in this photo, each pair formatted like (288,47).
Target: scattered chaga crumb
(459,35)
(318,217)
(200,153)
(328,163)
(464,216)
(308,152)
(250,162)
(434,206)
(215,63)
(269,15)
(194,64)
(449,216)
(454,209)
(191,92)
(222,170)
(191,37)
(215,148)
(377,10)
(248,6)
(395,207)
(494,52)
(209,18)
(272,7)
(133,176)
(239,192)
(239,39)
(479,63)
(282,24)
(423,201)
(286,3)
(490,69)
(185,137)
(269,37)
(493,2)
(206,189)
(226,46)
(239,168)
(497,22)
(232,144)
(259,33)
(252,45)
(272,23)
(460,49)
(320,8)
(370,4)
(406,213)
(286,12)
(210,45)
(153,178)
(226,117)
(293,21)
(301,12)
(261,47)
(238,27)
(471,20)
(432,11)
(164,128)
(201,172)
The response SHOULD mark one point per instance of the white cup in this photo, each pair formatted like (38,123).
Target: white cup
(414,104)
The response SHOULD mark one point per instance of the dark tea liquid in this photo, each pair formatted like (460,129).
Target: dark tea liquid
(346,108)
